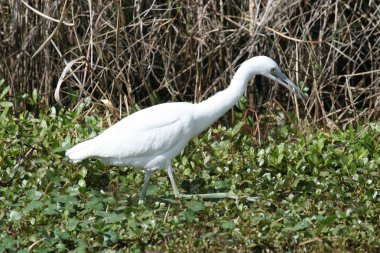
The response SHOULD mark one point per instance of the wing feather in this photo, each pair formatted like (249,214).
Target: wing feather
(146,133)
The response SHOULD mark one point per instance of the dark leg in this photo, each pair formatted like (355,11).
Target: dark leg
(169,169)
(148,175)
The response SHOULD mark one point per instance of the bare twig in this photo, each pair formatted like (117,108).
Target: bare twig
(46,16)
(63,14)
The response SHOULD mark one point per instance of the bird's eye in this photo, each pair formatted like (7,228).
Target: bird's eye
(273,70)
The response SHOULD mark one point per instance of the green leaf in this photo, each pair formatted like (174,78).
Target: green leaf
(72,224)
(228,225)
(73,190)
(82,183)
(189,215)
(237,128)
(33,205)
(14,215)
(5,91)
(62,234)
(112,236)
(8,243)
(51,209)
(152,190)
(284,131)
(113,217)
(34,95)
(196,206)
(305,223)
(33,194)
(6,104)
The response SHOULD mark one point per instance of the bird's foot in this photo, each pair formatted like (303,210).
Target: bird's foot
(222,195)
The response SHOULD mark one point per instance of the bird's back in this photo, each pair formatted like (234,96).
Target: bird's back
(147,138)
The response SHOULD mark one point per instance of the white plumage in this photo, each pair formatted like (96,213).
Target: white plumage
(149,139)
(143,139)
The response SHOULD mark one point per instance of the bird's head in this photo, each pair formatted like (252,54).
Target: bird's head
(267,67)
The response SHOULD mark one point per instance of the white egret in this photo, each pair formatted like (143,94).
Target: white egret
(149,139)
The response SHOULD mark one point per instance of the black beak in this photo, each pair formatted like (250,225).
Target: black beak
(284,81)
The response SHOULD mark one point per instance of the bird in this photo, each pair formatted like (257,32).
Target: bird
(151,138)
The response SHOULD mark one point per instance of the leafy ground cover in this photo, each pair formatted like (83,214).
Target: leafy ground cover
(318,192)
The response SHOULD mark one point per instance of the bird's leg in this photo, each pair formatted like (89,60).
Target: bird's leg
(148,175)
(169,169)
(221,195)
(224,195)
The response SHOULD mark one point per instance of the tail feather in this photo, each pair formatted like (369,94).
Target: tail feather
(81,151)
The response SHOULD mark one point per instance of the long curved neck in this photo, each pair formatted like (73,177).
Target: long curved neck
(208,111)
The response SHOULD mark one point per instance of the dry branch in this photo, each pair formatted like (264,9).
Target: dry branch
(147,52)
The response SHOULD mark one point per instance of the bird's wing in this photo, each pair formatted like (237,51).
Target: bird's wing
(149,132)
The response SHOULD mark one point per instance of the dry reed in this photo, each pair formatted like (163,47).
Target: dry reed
(124,53)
